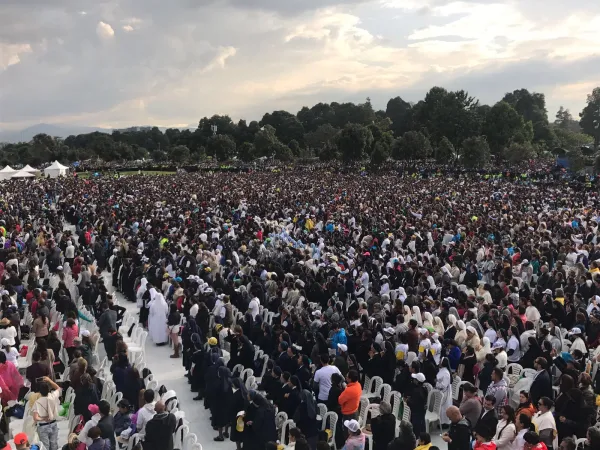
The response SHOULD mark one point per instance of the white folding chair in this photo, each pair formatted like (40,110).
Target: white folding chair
(433,415)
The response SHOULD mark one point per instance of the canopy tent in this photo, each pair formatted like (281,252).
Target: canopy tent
(30,169)
(55,170)
(7,172)
(23,174)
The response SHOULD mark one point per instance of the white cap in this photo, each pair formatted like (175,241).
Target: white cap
(525,261)
(573,331)
(547,291)
(352,425)
(316,313)
(419,377)
(389,330)
(85,333)
(343,347)
(59,268)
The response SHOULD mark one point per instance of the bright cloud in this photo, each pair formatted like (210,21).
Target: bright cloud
(183,60)
(104,30)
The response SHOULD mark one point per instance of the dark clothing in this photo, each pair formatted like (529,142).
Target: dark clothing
(121,422)
(460,433)
(108,431)
(417,402)
(159,432)
(262,429)
(489,420)
(307,425)
(384,431)
(342,364)
(85,396)
(238,403)
(110,344)
(541,387)
(35,371)
(107,320)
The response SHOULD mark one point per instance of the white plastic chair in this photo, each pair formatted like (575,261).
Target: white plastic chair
(330,421)
(432,415)
(322,410)
(285,428)
(189,441)
(246,373)
(455,388)
(362,411)
(513,371)
(396,401)
(529,373)
(580,443)
(386,391)
(406,413)
(374,388)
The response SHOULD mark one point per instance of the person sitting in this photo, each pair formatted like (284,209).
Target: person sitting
(122,419)
(98,442)
(383,427)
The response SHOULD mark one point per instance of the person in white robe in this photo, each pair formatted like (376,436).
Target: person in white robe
(443,382)
(157,320)
(140,292)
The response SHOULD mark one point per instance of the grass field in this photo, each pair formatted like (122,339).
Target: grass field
(86,175)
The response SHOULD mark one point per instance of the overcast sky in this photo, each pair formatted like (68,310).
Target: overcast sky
(121,63)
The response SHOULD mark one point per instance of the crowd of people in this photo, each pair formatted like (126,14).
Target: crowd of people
(419,279)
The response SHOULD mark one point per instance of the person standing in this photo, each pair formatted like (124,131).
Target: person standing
(160,429)
(458,436)
(157,320)
(323,378)
(349,400)
(44,413)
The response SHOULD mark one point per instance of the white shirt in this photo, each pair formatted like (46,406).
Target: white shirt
(12,356)
(513,344)
(323,378)
(70,251)
(194,310)
(519,442)
(490,333)
(9,333)
(253,307)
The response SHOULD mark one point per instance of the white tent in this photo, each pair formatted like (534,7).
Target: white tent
(30,169)
(55,170)
(7,172)
(23,174)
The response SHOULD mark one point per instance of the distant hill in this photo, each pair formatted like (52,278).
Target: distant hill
(53,130)
(63,131)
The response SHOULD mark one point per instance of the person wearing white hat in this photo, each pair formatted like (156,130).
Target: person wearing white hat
(436,348)
(356,438)
(472,338)
(12,354)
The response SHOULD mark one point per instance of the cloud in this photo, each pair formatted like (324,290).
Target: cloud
(182,60)
(104,30)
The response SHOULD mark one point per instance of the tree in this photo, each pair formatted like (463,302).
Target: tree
(179,153)
(590,116)
(265,141)
(412,145)
(380,153)
(519,152)
(530,105)
(445,152)
(564,120)
(503,124)
(451,114)
(294,147)
(319,138)
(400,113)
(576,160)
(287,126)
(569,140)
(329,152)
(354,141)
(282,152)
(222,147)
(475,152)
(246,152)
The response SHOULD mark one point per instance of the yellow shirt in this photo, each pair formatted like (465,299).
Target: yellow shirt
(560,300)
(424,446)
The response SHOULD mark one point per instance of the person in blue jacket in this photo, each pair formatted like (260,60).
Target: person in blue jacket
(338,337)
(454,354)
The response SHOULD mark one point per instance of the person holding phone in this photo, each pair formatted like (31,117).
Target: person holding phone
(44,413)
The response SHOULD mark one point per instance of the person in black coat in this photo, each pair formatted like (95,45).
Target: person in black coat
(304,373)
(542,383)
(283,360)
(86,394)
(291,399)
(383,427)
(239,402)
(212,382)
(305,417)
(223,394)
(417,402)
(259,427)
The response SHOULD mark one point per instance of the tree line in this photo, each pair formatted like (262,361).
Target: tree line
(449,126)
